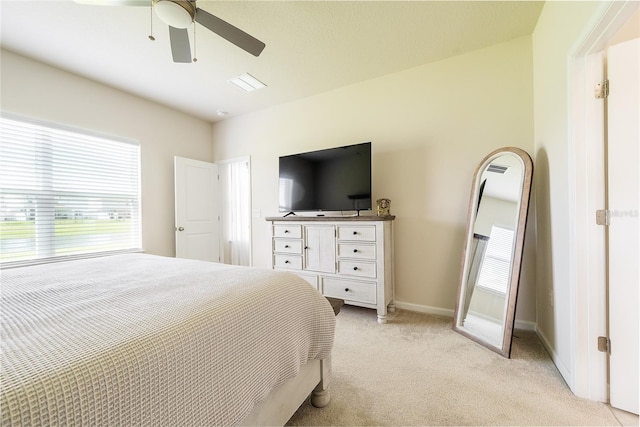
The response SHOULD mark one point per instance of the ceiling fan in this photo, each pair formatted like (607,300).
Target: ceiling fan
(180,15)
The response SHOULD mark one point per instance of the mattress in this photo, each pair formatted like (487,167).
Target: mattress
(140,339)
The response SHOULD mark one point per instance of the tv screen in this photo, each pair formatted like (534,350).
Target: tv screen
(335,179)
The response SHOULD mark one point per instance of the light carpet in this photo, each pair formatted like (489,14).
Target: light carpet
(416,370)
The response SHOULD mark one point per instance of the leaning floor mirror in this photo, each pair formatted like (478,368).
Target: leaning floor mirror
(492,256)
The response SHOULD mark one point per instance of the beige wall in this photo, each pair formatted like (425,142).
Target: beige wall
(430,127)
(33,89)
(561,29)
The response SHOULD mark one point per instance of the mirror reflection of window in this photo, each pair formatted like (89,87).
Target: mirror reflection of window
(496,266)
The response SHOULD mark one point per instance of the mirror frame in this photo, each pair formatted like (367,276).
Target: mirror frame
(516,260)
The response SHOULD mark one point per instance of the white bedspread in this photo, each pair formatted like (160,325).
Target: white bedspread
(139,339)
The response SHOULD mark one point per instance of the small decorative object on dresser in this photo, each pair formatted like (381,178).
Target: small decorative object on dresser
(348,258)
(383,207)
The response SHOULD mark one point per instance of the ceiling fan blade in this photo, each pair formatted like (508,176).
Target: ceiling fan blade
(229,32)
(180,48)
(146,3)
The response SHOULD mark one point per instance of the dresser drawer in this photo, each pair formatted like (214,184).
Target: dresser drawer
(287,261)
(286,230)
(356,250)
(287,246)
(357,268)
(349,290)
(357,232)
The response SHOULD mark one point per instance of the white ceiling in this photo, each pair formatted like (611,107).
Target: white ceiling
(311,46)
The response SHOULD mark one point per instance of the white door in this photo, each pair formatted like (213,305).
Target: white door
(623,188)
(196,204)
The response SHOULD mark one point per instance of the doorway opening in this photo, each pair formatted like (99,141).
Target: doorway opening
(235,211)
(587,161)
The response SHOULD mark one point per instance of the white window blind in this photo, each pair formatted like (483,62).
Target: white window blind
(496,265)
(65,194)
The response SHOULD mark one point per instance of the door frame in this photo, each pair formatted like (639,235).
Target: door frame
(586,174)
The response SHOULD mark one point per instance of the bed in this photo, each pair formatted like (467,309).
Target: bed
(138,339)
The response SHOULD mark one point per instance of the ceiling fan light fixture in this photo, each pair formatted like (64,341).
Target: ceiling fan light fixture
(177,14)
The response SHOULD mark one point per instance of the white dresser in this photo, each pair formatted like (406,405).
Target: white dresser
(350,258)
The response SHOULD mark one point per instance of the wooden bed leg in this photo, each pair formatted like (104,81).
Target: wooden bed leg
(320,396)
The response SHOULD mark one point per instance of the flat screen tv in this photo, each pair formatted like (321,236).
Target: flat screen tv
(335,179)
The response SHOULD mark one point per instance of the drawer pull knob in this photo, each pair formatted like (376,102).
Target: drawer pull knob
(346,289)
(355,251)
(286,246)
(306,247)
(355,232)
(286,231)
(286,262)
(355,268)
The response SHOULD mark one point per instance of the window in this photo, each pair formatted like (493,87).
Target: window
(496,267)
(65,193)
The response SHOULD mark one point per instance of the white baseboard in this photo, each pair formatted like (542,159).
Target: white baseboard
(520,324)
(556,360)
(424,309)
(526,325)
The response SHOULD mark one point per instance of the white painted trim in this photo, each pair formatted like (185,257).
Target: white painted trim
(250,212)
(554,356)
(588,378)
(242,159)
(525,325)
(234,160)
(446,312)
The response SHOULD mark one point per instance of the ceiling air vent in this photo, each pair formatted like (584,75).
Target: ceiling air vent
(497,168)
(247,82)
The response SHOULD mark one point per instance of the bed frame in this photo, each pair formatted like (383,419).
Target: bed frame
(282,402)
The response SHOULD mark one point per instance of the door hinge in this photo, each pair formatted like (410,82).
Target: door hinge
(603,217)
(602,89)
(604,345)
